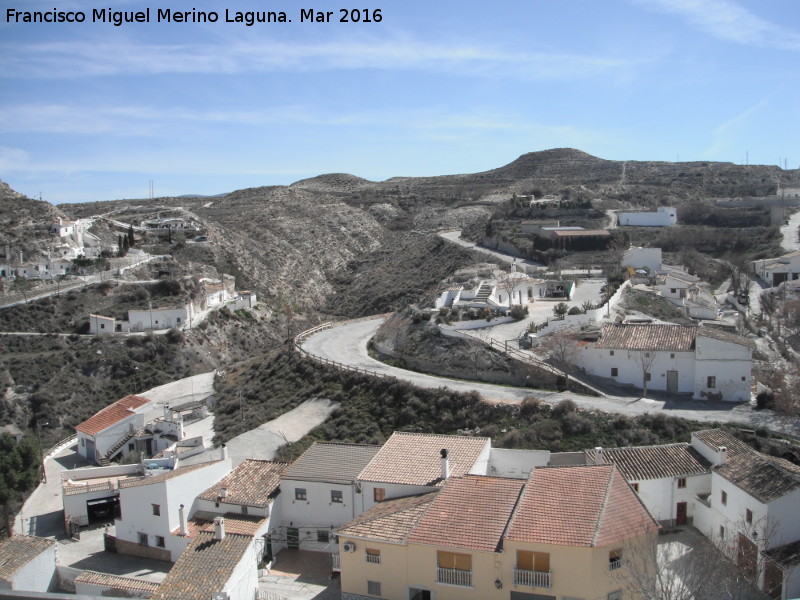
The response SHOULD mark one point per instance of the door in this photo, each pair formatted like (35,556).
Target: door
(416,594)
(293,538)
(672,382)
(680,514)
(90,452)
(773,581)
(747,557)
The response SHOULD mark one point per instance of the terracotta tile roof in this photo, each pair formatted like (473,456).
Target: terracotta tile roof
(165,476)
(725,336)
(333,462)
(204,567)
(765,478)
(655,462)
(785,556)
(18,551)
(235,523)
(128,584)
(111,414)
(579,506)
(252,483)
(678,338)
(414,458)
(470,512)
(389,521)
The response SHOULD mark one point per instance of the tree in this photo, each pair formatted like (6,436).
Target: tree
(506,283)
(22,285)
(671,569)
(19,467)
(560,309)
(562,349)
(131,239)
(645,359)
(121,251)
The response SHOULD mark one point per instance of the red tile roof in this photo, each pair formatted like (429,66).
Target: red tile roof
(655,462)
(629,336)
(18,551)
(252,483)
(389,521)
(579,506)
(205,567)
(470,512)
(111,415)
(128,584)
(334,462)
(414,458)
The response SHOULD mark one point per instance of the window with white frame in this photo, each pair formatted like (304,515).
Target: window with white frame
(374,588)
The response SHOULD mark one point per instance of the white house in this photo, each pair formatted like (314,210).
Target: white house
(643,258)
(663,217)
(704,361)
(159,318)
(752,510)
(319,492)
(91,495)
(109,431)
(62,228)
(666,477)
(155,509)
(27,564)
(777,270)
(215,565)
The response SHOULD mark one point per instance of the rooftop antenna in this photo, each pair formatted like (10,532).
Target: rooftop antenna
(151,189)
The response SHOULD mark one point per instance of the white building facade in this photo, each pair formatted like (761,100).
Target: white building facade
(663,217)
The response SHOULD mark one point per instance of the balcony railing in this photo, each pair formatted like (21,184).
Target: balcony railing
(614,564)
(373,558)
(540,579)
(454,576)
(336,565)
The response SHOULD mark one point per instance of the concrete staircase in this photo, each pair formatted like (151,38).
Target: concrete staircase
(106,460)
(483,293)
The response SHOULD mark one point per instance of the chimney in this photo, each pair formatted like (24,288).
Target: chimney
(224,452)
(599,457)
(445,463)
(219,528)
(223,493)
(722,455)
(184,526)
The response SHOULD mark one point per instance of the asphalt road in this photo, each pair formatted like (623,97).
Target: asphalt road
(347,344)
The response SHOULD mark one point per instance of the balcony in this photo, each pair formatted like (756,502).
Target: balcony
(614,564)
(454,576)
(335,566)
(540,579)
(375,559)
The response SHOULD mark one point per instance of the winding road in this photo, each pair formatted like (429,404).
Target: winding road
(347,344)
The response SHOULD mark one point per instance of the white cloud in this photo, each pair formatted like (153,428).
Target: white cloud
(726,134)
(13,159)
(729,21)
(82,59)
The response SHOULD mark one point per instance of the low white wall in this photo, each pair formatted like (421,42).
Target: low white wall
(591,316)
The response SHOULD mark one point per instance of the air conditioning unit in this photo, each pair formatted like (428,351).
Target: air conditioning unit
(349,547)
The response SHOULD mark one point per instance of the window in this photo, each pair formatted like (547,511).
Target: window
(300,494)
(721,532)
(616,595)
(323,535)
(533,561)
(379,494)
(673,290)
(336,496)
(156,509)
(611,353)
(142,539)
(711,382)
(635,487)
(681,482)
(178,320)
(160,541)
(744,378)
(102,325)
(372,555)
(748,516)
(647,355)
(672,355)
(724,497)
(614,371)
(614,559)
(647,376)
(374,588)
(83,442)
(244,509)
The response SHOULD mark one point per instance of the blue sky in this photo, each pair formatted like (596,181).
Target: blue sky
(92,111)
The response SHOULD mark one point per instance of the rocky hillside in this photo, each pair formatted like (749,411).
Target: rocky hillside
(24,221)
